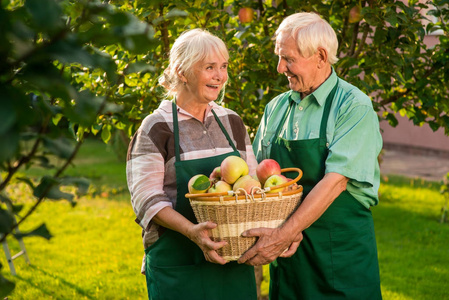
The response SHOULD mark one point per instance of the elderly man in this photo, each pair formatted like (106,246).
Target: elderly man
(328,128)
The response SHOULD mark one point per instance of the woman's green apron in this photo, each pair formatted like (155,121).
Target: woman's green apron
(175,266)
(337,258)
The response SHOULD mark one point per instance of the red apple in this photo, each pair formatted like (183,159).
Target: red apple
(275,180)
(246,15)
(232,168)
(266,168)
(246,182)
(354,14)
(198,184)
(220,187)
(215,175)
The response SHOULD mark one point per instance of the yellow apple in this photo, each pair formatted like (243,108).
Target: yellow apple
(232,168)
(246,182)
(354,14)
(220,187)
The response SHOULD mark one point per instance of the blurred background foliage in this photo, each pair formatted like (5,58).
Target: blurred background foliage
(70,69)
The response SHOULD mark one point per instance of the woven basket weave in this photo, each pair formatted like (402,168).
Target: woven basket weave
(236,213)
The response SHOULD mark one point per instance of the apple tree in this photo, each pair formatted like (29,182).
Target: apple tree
(52,53)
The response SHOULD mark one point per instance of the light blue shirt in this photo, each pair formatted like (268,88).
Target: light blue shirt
(353,135)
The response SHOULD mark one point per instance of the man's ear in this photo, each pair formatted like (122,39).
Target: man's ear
(322,57)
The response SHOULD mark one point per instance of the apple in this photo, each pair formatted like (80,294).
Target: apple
(246,182)
(246,15)
(220,187)
(354,14)
(215,176)
(232,168)
(275,180)
(198,184)
(266,168)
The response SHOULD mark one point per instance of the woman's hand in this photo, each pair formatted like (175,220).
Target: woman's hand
(199,234)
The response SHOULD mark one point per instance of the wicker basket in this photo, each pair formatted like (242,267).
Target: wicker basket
(236,212)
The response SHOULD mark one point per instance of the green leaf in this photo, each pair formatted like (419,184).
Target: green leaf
(81,183)
(46,13)
(49,187)
(40,231)
(106,133)
(6,221)
(6,286)
(139,67)
(201,183)
(60,147)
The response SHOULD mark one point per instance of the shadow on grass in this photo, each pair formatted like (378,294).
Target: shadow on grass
(45,289)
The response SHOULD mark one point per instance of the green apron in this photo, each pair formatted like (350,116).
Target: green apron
(175,266)
(337,258)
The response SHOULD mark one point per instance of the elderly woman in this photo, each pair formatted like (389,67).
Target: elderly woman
(184,137)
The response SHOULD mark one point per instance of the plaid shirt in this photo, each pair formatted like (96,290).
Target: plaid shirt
(150,166)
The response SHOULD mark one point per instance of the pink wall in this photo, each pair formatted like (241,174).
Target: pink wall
(408,135)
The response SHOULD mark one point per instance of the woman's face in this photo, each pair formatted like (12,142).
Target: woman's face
(208,77)
(301,72)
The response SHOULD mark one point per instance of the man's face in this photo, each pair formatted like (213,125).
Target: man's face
(302,72)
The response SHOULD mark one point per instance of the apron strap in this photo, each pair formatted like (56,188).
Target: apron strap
(231,143)
(176,131)
(325,117)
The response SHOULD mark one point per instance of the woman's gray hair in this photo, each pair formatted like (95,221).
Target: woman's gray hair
(311,32)
(189,48)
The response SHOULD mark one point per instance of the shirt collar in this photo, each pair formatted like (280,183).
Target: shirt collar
(166,105)
(321,93)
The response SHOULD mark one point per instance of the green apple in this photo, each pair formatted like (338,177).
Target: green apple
(220,187)
(232,168)
(198,184)
(275,180)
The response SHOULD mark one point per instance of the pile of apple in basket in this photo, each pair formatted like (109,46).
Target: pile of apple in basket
(237,201)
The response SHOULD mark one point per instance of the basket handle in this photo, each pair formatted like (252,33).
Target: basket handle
(231,193)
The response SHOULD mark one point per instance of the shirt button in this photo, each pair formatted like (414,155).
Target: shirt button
(268,143)
(295,130)
(204,131)
(327,144)
(301,108)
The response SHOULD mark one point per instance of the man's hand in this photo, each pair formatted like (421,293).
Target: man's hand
(271,244)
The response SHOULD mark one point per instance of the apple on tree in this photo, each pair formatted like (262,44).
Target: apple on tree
(246,182)
(220,187)
(355,14)
(267,168)
(198,184)
(246,15)
(275,180)
(232,168)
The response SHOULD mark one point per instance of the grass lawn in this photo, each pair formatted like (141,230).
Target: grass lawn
(96,249)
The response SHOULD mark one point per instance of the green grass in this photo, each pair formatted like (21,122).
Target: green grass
(96,249)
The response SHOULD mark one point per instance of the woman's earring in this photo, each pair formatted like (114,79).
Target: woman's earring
(184,82)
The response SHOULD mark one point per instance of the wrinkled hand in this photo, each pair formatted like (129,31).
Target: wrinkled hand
(272,243)
(199,234)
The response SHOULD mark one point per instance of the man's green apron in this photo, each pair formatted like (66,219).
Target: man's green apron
(337,258)
(175,266)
